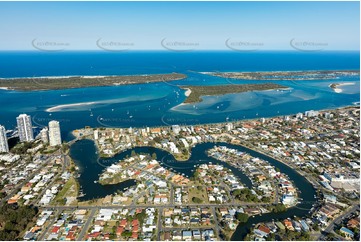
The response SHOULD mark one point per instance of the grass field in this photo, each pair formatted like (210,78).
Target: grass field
(70,189)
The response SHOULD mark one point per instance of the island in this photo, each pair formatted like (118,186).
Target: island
(336,86)
(285,75)
(194,93)
(54,83)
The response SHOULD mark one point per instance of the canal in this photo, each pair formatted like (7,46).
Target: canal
(85,155)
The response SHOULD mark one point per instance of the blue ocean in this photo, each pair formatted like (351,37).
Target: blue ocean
(161,103)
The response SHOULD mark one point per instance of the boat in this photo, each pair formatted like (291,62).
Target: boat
(82,194)
(95,181)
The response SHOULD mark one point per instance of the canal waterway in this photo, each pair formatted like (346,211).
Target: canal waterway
(85,155)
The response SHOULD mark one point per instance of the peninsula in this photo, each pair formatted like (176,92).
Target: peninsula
(54,83)
(285,75)
(194,93)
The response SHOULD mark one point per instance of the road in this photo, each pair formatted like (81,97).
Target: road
(19,186)
(330,227)
(50,225)
(216,224)
(156,206)
(86,225)
(159,223)
(171,195)
(64,165)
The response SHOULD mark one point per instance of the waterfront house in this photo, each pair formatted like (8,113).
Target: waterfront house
(353,223)
(260,233)
(304,226)
(288,224)
(347,233)
(264,229)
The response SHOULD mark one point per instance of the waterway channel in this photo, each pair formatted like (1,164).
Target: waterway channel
(84,153)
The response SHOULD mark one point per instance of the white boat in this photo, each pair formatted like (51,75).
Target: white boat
(81,195)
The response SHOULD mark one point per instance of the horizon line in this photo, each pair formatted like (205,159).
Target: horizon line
(177,51)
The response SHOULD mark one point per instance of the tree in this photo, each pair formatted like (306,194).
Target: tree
(154,156)
(279,208)
(197,200)
(14,220)
(127,233)
(237,192)
(242,217)
(315,227)
(196,175)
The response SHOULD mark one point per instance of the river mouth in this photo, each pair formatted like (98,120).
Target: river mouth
(85,155)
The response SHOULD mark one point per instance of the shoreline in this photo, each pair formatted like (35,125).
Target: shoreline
(77,137)
(55,108)
(100,156)
(188,92)
(305,75)
(194,94)
(353,105)
(70,82)
(335,86)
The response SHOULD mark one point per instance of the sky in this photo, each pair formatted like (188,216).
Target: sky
(179,26)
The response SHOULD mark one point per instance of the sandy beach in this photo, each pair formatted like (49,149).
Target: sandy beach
(337,85)
(188,92)
(59,107)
